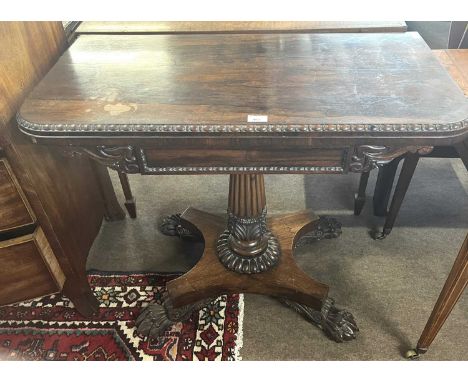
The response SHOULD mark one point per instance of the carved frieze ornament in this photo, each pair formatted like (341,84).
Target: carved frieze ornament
(367,157)
(120,158)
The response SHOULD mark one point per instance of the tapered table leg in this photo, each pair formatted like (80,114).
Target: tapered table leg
(130,203)
(113,210)
(383,186)
(453,288)
(360,196)
(80,293)
(249,254)
(462,149)
(404,180)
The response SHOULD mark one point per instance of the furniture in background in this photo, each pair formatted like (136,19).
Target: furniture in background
(28,267)
(456,63)
(458,35)
(246,105)
(51,207)
(456,283)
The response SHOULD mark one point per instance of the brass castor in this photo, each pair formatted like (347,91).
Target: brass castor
(378,235)
(412,354)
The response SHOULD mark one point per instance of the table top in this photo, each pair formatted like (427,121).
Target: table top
(246,83)
(456,62)
(165,27)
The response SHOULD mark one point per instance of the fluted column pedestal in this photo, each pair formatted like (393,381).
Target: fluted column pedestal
(247,246)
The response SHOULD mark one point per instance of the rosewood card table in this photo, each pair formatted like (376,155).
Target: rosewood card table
(246,105)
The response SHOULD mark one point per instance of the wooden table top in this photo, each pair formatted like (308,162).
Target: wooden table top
(165,27)
(212,83)
(456,62)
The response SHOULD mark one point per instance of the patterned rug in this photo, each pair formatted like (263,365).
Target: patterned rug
(50,328)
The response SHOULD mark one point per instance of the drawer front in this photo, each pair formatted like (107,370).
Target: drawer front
(28,269)
(185,161)
(16,216)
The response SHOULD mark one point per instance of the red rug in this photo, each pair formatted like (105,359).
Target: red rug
(50,328)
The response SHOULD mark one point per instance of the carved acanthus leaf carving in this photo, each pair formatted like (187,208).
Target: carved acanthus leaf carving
(367,157)
(120,158)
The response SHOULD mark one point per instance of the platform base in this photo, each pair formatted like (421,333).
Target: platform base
(209,279)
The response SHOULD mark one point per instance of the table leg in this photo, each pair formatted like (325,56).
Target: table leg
(404,180)
(462,149)
(457,281)
(360,196)
(113,211)
(77,289)
(248,255)
(130,204)
(383,186)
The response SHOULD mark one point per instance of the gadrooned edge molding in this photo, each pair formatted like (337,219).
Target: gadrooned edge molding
(237,128)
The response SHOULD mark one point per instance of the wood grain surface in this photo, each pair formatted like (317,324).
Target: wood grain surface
(381,78)
(62,192)
(15,212)
(456,62)
(209,278)
(18,58)
(271,155)
(23,272)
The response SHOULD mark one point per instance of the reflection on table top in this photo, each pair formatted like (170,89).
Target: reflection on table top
(292,79)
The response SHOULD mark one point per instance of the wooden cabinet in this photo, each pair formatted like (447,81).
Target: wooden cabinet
(51,207)
(28,268)
(16,216)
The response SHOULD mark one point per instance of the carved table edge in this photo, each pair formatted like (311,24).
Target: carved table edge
(52,128)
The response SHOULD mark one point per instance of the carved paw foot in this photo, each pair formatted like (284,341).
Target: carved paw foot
(338,324)
(327,228)
(156,318)
(153,321)
(172,226)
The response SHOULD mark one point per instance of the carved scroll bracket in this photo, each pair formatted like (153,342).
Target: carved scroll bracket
(367,157)
(120,158)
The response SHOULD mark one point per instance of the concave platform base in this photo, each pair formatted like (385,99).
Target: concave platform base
(209,278)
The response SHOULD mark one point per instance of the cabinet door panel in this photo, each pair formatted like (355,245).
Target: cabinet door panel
(16,217)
